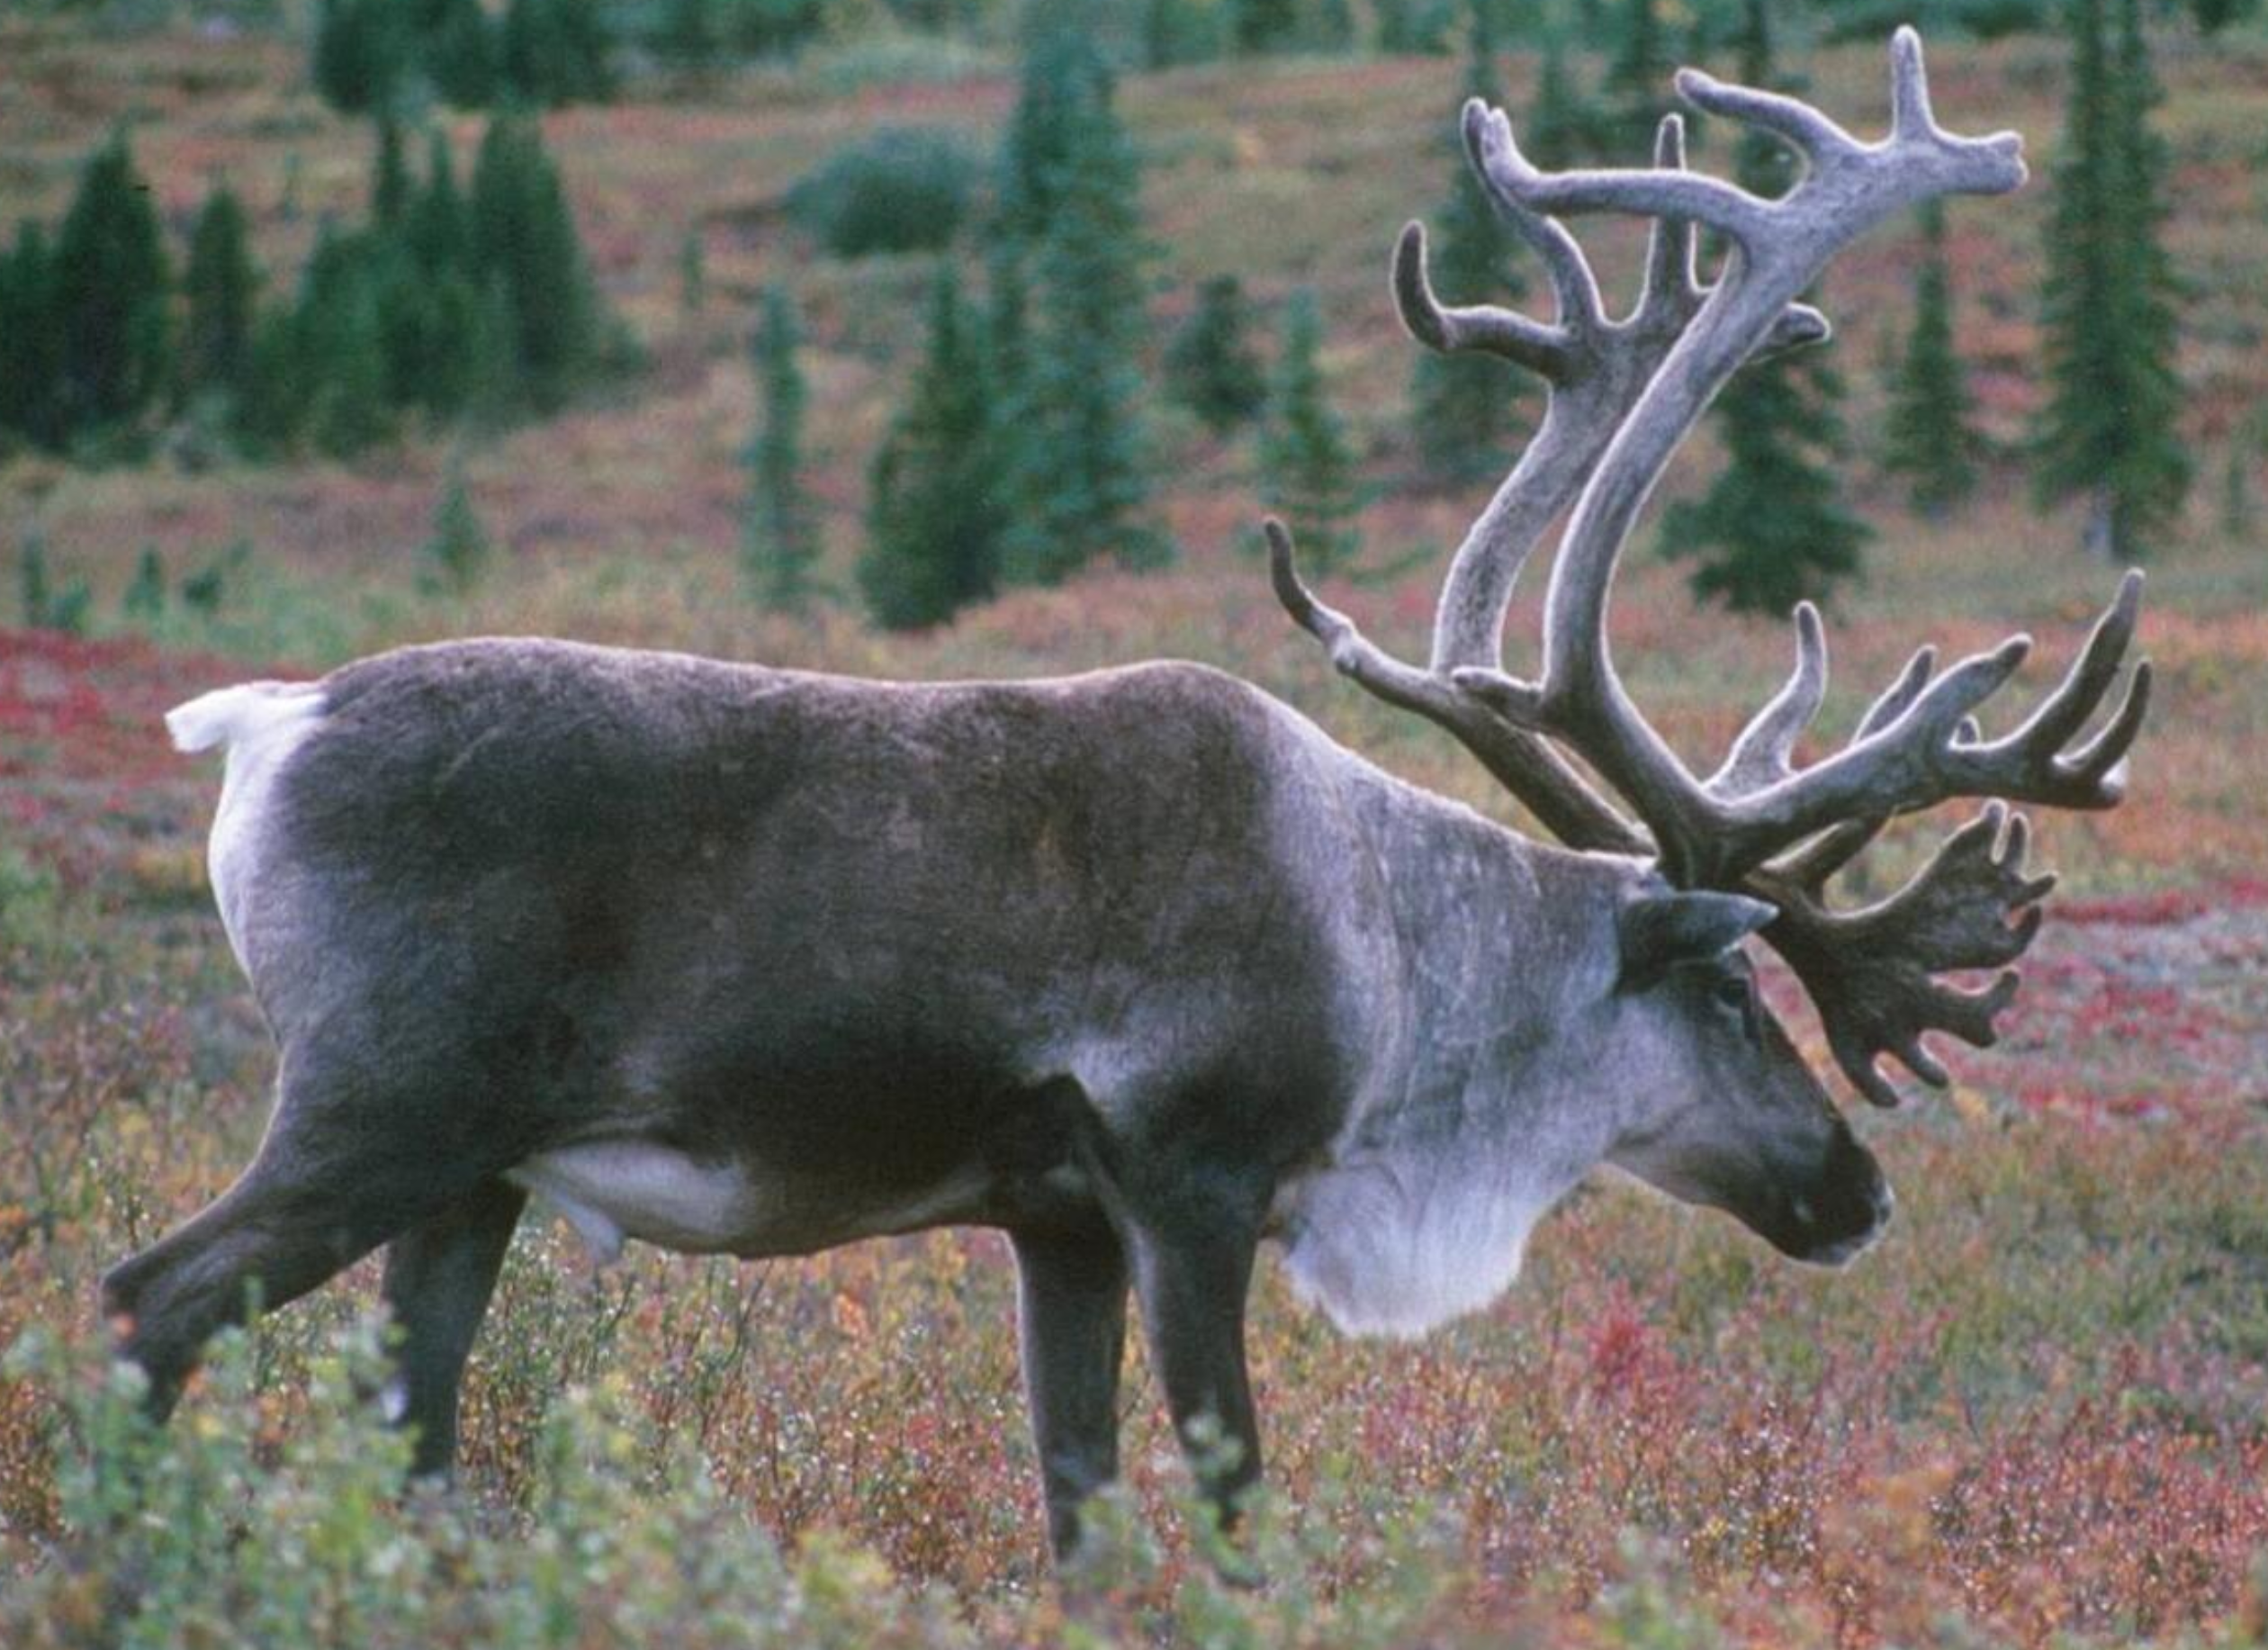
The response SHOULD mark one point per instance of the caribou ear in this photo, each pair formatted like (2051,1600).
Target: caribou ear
(1660,931)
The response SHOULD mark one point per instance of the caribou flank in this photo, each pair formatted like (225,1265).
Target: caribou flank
(1139,966)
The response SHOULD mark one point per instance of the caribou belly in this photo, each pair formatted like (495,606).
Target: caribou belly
(610,1191)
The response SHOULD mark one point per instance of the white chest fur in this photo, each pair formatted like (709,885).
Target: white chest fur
(1397,1239)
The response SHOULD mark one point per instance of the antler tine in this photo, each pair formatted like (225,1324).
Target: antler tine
(2065,710)
(1673,291)
(1650,192)
(1484,327)
(1760,756)
(1911,117)
(1488,133)
(1809,132)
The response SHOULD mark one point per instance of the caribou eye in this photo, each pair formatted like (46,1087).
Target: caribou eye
(1737,995)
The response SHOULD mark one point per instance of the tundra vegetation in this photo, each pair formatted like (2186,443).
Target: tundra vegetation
(2033,1417)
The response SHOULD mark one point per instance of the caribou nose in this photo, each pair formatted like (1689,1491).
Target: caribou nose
(1848,1207)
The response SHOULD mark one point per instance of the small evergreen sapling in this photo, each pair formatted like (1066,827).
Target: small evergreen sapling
(113,289)
(30,340)
(936,512)
(779,538)
(1211,366)
(2109,431)
(223,289)
(1930,441)
(1307,468)
(145,599)
(1773,529)
(1465,407)
(458,553)
(1082,467)
(44,606)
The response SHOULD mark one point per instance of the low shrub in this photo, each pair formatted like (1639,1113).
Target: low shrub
(902,189)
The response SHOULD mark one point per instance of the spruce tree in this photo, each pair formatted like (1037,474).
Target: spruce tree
(341,346)
(1064,82)
(390,183)
(458,555)
(1082,483)
(30,340)
(362,50)
(45,607)
(2214,16)
(145,599)
(779,540)
(112,287)
(1408,26)
(1637,80)
(221,287)
(435,228)
(523,235)
(1257,26)
(1176,33)
(690,32)
(1008,352)
(1465,407)
(553,53)
(2108,431)
(496,392)
(272,407)
(408,320)
(1560,131)
(692,272)
(1209,364)
(460,54)
(1930,441)
(1308,472)
(1773,529)
(936,511)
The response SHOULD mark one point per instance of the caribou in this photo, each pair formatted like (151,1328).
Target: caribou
(1138,967)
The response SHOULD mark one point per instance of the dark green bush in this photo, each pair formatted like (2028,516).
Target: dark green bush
(1983,20)
(903,189)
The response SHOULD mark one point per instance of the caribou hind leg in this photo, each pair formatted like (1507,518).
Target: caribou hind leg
(1071,1286)
(326,1188)
(439,1276)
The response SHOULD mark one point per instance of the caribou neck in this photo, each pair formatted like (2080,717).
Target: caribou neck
(1490,976)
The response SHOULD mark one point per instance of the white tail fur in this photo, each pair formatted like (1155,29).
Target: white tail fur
(227,716)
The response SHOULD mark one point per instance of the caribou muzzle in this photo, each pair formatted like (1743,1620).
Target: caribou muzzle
(1833,1218)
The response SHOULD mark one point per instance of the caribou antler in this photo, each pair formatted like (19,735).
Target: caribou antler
(1872,973)
(1595,368)
(1622,396)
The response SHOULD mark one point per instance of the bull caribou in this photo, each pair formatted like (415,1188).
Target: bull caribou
(1137,967)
